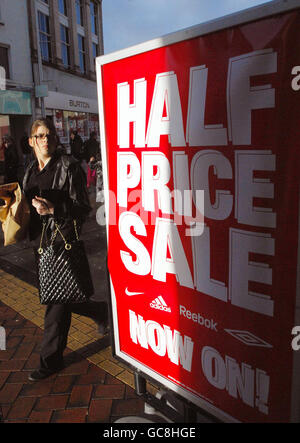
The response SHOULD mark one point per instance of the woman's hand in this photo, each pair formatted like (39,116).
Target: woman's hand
(43,206)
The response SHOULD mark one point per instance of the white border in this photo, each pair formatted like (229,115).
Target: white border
(103,141)
(295,388)
(196,399)
(248,15)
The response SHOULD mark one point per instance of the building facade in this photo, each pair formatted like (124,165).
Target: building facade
(47,66)
(65,37)
(16,83)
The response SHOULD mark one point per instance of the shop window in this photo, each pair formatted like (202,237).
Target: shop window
(4,60)
(62,7)
(95,50)
(78,121)
(94,124)
(83,123)
(81,53)
(65,45)
(4,130)
(44,36)
(61,126)
(93,10)
(79,15)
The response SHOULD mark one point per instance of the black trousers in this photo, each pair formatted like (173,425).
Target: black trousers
(56,328)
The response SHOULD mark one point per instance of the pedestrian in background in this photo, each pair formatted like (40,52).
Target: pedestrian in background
(76,145)
(26,150)
(11,160)
(91,150)
(96,166)
(60,146)
(55,188)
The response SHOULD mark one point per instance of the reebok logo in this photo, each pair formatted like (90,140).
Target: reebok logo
(160,304)
(198,318)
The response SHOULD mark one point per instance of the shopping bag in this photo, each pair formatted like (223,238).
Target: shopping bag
(14,213)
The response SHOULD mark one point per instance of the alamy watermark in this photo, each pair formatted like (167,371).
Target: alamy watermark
(2,339)
(296,340)
(182,214)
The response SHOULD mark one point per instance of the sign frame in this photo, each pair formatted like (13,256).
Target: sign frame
(246,16)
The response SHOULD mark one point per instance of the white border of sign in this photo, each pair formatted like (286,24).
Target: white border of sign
(248,15)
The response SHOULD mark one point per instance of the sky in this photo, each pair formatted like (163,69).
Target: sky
(129,22)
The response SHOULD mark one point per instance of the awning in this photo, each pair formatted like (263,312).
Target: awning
(15,102)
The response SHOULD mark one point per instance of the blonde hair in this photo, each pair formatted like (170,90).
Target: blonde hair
(42,122)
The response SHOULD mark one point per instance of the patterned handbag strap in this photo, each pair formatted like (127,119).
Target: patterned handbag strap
(40,249)
(68,246)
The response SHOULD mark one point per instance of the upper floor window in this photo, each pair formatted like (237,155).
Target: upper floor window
(95,49)
(62,7)
(4,60)
(44,36)
(79,15)
(81,50)
(46,1)
(65,45)
(93,9)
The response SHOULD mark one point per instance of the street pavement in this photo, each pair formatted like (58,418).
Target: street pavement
(93,386)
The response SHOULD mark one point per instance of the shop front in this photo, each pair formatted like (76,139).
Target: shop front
(15,118)
(71,113)
(15,113)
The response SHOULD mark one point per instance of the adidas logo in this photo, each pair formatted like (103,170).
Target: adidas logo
(160,304)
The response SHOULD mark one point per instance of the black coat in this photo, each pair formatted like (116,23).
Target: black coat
(91,149)
(77,147)
(68,194)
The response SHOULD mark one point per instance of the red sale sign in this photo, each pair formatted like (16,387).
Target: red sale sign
(200,142)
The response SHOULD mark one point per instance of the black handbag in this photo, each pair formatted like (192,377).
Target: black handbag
(63,270)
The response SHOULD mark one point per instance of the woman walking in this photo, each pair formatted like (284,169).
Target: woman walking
(55,187)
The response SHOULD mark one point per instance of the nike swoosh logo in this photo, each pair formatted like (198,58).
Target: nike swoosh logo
(132,293)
